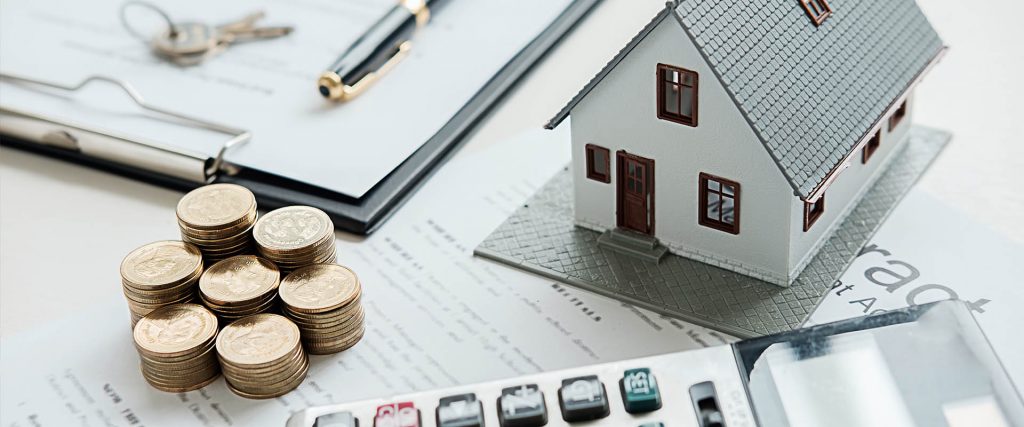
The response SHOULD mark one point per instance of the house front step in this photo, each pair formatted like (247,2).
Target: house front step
(634,244)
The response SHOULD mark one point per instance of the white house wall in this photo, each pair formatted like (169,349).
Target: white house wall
(621,114)
(848,187)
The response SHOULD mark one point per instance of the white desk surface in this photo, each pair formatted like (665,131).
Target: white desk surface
(64,228)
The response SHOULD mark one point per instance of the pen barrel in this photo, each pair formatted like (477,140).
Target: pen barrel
(375,47)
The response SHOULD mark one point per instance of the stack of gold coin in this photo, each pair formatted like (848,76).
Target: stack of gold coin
(324,301)
(262,356)
(176,346)
(295,236)
(218,218)
(159,274)
(239,286)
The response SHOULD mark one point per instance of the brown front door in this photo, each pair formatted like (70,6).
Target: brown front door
(635,193)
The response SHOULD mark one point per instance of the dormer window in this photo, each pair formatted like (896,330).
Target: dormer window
(818,10)
(677,95)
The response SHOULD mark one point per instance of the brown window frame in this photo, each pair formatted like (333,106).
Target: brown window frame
(898,115)
(718,224)
(817,10)
(871,146)
(813,211)
(591,172)
(663,113)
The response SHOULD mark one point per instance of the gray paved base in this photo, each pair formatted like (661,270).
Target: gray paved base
(540,237)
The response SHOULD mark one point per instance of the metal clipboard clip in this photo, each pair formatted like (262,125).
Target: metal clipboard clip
(95,142)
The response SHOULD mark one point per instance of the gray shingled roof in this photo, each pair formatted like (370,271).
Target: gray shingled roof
(810,93)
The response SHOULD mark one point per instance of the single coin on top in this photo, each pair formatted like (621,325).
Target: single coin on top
(295,236)
(161,264)
(239,286)
(319,288)
(216,206)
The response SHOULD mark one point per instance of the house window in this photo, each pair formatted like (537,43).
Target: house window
(677,95)
(818,10)
(871,146)
(598,163)
(719,203)
(813,211)
(897,116)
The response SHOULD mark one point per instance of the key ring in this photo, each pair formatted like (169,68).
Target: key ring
(172,30)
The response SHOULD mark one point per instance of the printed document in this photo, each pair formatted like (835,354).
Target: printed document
(435,317)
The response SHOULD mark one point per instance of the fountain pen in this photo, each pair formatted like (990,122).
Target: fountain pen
(376,51)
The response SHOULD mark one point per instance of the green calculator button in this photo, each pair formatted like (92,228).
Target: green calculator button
(639,391)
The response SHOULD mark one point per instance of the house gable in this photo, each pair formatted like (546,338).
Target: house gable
(621,114)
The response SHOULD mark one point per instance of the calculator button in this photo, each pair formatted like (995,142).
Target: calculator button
(655,424)
(460,411)
(639,391)
(582,399)
(337,419)
(522,406)
(401,414)
(705,401)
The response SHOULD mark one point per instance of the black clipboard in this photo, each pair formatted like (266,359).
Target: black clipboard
(365,214)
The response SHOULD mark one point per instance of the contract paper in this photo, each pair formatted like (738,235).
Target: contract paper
(435,317)
(928,251)
(268,87)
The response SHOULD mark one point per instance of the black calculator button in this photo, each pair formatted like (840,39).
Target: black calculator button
(522,406)
(582,399)
(639,391)
(337,419)
(461,410)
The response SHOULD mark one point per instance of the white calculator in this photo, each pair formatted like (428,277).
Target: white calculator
(928,365)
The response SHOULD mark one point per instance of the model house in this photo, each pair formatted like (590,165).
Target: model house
(740,133)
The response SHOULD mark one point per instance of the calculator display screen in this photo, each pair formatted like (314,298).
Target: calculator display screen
(925,366)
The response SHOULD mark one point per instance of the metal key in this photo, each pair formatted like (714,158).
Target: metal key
(190,43)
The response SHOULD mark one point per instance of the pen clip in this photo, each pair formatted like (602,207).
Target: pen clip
(349,90)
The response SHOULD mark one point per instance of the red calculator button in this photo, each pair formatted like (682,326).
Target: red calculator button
(400,414)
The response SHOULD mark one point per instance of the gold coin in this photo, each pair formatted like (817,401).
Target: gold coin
(188,375)
(175,330)
(257,374)
(257,340)
(239,279)
(266,376)
(334,334)
(229,317)
(242,227)
(216,206)
(191,387)
(320,348)
(324,244)
(277,389)
(151,305)
(201,355)
(161,264)
(266,301)
(319,288)
(292,227)
(347,315)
